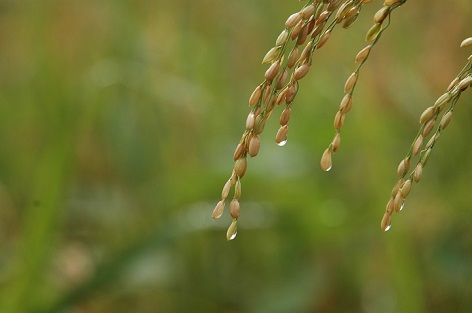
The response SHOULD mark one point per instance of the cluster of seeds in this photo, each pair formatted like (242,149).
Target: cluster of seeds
(428,121)
(290,60)
(381,22)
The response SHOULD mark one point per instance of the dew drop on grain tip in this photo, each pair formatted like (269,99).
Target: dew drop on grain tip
(388,227)
(233,236)
(282,143)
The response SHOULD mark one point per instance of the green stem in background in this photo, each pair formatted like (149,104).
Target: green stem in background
(38,228)
(110,270)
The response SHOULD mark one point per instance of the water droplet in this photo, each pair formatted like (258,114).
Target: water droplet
(282,143)
(233,236)
(388,227)
(403,204)
(232,230)
(328,169)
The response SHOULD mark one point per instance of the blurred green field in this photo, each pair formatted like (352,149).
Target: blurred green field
(118,122)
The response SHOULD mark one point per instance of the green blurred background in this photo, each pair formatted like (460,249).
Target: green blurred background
(118,122)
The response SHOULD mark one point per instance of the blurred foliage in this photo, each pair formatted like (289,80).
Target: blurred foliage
(119,119)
